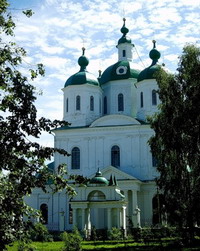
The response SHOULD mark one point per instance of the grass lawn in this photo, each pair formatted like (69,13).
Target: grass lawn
(105,245)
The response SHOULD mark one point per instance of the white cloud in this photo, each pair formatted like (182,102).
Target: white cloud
(57,31)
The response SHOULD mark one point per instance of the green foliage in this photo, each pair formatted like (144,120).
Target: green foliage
(39,232)
(22,159)
(72,240)
(115,234)
(22,246)
(176,143)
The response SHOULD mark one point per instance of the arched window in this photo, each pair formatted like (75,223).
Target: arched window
(75,158)
(96,195)
(154,97)
(67,105)
(105,105)
(141,100)
(78,103)
(91,103)
(115,156)
(120,102)
(44,212)
(124,53)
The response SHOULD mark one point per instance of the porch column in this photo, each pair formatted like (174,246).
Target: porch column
(88,223)
(126,194)
(128,208)
(124,219)
(83,218)
(134,200)
(134,206)
(109,218)
(74,216)
(118,217)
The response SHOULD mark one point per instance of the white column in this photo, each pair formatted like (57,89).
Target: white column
(124,219)
(109,218)
(74,217)
(88,223)
(134,199)
(134,206)
(83,218)
(118,217)
(126,194)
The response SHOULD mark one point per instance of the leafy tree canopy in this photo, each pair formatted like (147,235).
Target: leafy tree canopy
(22,160)
(176,143)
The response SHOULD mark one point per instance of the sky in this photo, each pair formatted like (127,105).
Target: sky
(58,30)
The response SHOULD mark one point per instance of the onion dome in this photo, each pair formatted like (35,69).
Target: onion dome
(98,179)
(124,31)
(83,76)
(120,70)
(149,72)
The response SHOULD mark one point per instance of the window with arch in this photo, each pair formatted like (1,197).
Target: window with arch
(96,195)
(67,105)
(154,97)
(120,102)
(44,212)
(141,100)
(75,158)
(78,103)
(105,105)
(124,53)
(115,156)
(91,103)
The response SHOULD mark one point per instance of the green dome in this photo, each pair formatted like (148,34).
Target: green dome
(83,76)
(149,72)
(120,70)
(124,38)
(98,179)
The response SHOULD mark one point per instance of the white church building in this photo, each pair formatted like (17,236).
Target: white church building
(108,142)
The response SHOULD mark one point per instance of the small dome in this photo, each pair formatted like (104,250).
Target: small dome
(124,38)
(83,76)
(120,70)
(98,179)
(149,72)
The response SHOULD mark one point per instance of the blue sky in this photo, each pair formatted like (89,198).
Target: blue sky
(57,31)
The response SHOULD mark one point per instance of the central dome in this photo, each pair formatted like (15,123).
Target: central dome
(120,70)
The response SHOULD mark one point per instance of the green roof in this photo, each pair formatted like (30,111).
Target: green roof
(120,70)
(83,76)
(124,30)
(149,72)
(98,179)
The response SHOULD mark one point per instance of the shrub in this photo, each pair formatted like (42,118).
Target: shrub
(39,232)
(72,241)
(22,246)
(93,236)
(115,234)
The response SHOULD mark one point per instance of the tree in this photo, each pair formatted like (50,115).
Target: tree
(22,160)
(176,143)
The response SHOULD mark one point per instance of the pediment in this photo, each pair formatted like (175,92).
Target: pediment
(114,120)
(119,175)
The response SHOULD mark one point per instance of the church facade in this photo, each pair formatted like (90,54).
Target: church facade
(108,142)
